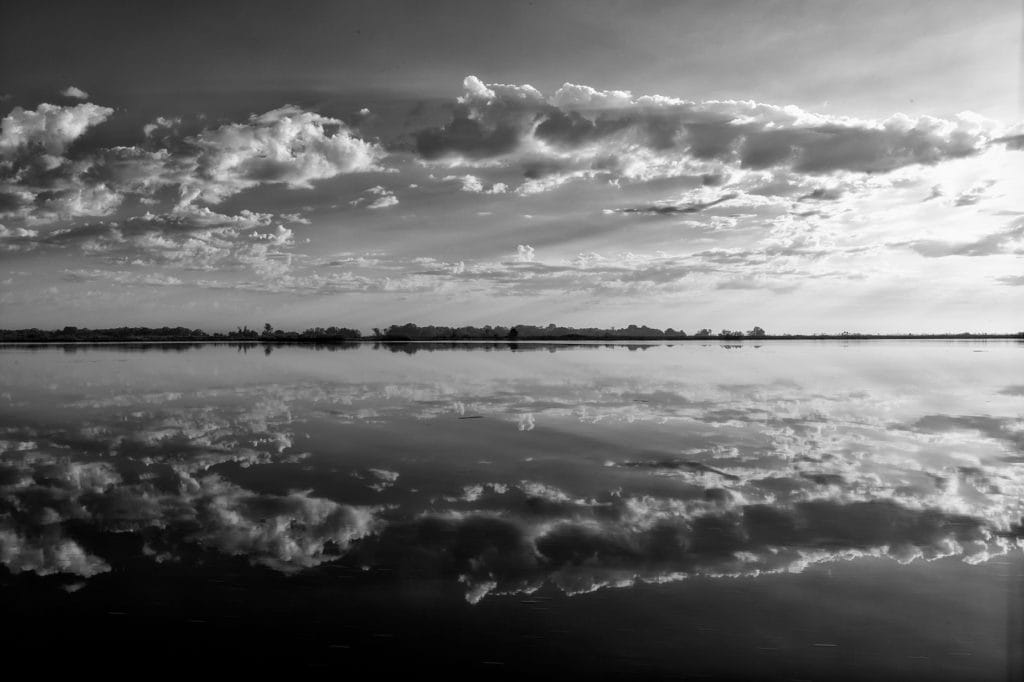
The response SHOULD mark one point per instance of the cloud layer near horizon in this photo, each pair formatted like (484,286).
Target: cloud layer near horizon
(617,196)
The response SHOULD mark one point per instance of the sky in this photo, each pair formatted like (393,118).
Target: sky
(801,166)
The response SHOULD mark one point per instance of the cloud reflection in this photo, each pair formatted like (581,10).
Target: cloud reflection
(580,480)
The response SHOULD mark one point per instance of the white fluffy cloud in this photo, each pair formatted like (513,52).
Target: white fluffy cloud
(376,197)
(49,128)
(286,146)
(74,93)
(473,185)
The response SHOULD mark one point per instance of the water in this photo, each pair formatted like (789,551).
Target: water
(787,510)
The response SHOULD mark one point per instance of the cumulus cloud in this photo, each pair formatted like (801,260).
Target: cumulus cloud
(617,542)
(376,197)
(49,129)
(41,181)
(284,532)
(47,555)
(618,135)
(178,505)
(286,146)
(473,185)
(525,253)
(74,93)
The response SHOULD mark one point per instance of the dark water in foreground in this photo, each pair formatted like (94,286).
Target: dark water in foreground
(794,510)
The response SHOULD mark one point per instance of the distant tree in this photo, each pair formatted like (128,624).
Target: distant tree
(376,332)
(513,333)
(268,329)
(756,333)
(703,333)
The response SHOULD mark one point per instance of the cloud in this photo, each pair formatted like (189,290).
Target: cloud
(121,277)
(384,479)
(47,555)
(284,532)
(525,253)
(473,184)
(49,129)
(1009,240)
(178,506)
(197,239)
(1010,431)
(281,236)
(74,93)
(17,239)
(40,182)
(622,136)
(823,475)
(161,122)
(379,197)
(668,209)
(286,146)
(621,542)
(526,422)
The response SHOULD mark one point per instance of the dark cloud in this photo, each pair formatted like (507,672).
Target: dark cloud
(1002,429)
(675,210)
(494,121)
(1011,141)
(1003,241)
(822,149)
(467,137)
(709,140)
(676,464)
(823,194)
(508,554)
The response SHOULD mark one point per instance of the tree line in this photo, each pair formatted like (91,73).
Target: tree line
(129,334)
(415,332)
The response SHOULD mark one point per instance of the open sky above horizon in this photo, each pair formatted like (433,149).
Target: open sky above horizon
(802,166)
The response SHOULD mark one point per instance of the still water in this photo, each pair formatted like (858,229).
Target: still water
(784,510)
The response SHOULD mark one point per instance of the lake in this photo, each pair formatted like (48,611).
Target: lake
(782,510)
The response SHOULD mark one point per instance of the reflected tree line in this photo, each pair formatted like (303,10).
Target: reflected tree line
(410,332)
(393,333)
(267,348)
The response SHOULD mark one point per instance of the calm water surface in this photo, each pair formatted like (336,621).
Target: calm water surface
(788,510)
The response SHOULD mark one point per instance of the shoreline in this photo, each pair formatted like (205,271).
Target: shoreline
(507,341)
